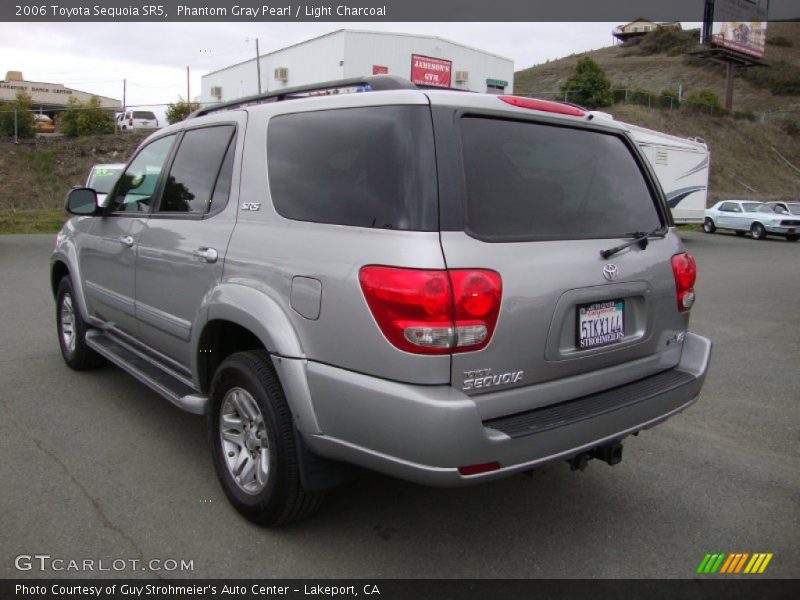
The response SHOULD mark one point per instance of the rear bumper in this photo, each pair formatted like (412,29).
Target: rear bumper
(424,433)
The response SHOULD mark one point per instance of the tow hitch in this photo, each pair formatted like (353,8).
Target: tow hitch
(611,454)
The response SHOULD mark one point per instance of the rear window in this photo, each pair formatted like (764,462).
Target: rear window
(364,167)
(528,181)
(144,114)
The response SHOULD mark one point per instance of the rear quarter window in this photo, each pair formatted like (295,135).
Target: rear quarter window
(530,181)
(363,167)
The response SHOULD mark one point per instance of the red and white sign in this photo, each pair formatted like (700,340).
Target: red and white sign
(430,71)
(380,70)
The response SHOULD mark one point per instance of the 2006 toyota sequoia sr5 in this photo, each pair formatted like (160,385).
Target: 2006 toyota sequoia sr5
(442,286)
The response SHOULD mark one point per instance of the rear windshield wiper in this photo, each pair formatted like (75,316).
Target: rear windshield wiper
(639,237)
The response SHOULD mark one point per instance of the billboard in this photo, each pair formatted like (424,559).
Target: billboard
(737,25)
(430,71)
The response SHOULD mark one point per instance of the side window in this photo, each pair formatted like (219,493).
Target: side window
(201,172)
(362,167)
(137,185)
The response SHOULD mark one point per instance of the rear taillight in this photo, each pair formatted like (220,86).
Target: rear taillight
(544,105)
(435,311)
(130,122)
(685,271)
(477,469)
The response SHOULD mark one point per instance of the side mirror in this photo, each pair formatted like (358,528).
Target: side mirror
(81,201)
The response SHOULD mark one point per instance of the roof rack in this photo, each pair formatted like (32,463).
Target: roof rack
(369,83)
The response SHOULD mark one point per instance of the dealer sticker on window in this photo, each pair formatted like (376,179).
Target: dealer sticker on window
(600,324)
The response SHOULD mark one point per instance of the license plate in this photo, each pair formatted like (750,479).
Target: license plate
(600,324)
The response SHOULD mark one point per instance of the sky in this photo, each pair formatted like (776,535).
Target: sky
(152,57)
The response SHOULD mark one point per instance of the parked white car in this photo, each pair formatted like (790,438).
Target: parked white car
(758,218)
(791,208)
(102,178)
(137,119)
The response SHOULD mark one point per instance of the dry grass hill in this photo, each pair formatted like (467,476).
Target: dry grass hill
(745,155)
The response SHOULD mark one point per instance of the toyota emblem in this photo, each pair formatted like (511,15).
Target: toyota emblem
(610,271)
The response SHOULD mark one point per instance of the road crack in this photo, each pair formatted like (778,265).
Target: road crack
(98,509)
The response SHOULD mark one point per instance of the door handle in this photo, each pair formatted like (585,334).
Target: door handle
(209,255)
(126,240)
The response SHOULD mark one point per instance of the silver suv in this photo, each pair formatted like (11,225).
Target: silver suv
(441,286)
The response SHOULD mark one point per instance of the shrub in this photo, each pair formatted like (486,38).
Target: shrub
(780,77)
(669,99)
(180,110)
(633,96)
(749,115)
(588,85)
(640,97)
(668,40)
(704,98)
(780,41)
(85,118)
(22,105)
(791,126)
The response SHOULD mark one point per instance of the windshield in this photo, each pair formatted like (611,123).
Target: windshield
(103,179)
(794,208)
(751,206)
(529,181)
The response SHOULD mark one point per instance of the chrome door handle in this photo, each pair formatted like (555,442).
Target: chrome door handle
(126,240)
(209,255)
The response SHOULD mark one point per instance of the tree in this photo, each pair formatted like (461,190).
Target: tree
(85,118)
(180,110)
(22,106)
(588,85)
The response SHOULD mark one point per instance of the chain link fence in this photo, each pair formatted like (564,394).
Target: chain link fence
(671,101)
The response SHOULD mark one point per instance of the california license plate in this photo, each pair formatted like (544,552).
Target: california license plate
(600,324)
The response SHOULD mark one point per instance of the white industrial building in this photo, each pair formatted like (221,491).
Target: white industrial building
(350,53)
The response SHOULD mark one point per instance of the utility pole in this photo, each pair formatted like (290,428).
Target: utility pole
(729,87)
(258,66)
(124,103)
(188,97)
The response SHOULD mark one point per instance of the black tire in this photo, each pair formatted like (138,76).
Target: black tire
(708,225)
(792,238)
(282,498)
(757,231)
(76,354)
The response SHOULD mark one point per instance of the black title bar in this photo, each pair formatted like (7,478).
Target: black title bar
(367,10)
(732,588)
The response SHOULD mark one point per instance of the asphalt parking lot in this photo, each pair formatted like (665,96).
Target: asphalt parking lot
(96,466)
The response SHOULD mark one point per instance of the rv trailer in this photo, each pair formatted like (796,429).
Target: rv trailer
(682,167)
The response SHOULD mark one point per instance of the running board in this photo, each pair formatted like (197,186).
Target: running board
(148,372)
